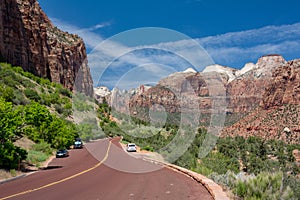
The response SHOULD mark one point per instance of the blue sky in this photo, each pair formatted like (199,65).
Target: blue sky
(231,32)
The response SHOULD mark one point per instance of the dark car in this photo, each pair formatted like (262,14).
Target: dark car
(62,153)
(78,144)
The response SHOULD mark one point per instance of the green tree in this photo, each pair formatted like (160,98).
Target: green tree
(10,123)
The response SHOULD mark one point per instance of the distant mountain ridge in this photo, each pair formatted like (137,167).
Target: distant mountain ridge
(254,95)
(29,39)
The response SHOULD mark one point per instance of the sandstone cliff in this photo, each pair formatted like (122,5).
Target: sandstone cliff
(29,39)
(276,114)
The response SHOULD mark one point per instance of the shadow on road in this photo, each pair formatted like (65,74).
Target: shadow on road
(51,167)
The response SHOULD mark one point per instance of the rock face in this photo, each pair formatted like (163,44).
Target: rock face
(29,39)
(285,86)
(269,98)
(246,91)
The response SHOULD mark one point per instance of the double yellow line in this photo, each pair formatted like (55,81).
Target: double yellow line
(63,180)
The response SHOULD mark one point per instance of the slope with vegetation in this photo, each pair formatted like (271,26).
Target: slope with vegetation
(34,108)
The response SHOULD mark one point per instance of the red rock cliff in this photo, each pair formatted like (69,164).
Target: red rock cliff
(29,39)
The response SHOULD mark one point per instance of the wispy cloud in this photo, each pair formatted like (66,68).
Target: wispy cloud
(236,48)
(90,38)
(111,60)
(231,49)
(99,26)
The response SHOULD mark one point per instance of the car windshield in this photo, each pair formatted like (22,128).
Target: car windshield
(131,145)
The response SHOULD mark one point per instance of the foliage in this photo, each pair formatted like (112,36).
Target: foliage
(23,112)
(264,186)
(10,122)
(36,157)
(43,147)
(7,93)
(82,102)
(32,95)
(89,130)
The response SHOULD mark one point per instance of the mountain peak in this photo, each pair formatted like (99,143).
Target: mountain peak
(270,60)
(230,72)
(189,70)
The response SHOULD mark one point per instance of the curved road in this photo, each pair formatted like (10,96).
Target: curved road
(101,171)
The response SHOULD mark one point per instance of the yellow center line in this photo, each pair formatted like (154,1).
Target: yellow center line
(63,180)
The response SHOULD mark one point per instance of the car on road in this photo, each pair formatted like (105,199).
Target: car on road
(62,153)
(78,144)
(131,147)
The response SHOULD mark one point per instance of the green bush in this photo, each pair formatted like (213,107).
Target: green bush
(32,94)
(10,155)
(59,108)
(19,98)
(64,92)
(148,148)
(43,147)
(36,157)
(264,186)
(220,163)
(8,77)
(27,83)
(6,92)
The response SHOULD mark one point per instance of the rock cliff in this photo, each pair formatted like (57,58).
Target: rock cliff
(246,91)
(29,39)
(276,115)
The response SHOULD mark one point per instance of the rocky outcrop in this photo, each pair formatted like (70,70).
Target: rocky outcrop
(29,39)
(285,86)
(246,91)
(276,108)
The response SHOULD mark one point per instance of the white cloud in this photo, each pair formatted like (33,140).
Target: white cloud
(236,48)
(99,26)
(262,35)
(232,49)
(90,38)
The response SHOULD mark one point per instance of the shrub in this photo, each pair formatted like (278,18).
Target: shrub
(64,92)
(148,148)
(6,92)
(35,157)
(264,186)
(32,94)
(10,155)
(220,163)
(43,147)
(59,108)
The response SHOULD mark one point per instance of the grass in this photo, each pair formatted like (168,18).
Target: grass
(36,157)
(4,174)
(37,153)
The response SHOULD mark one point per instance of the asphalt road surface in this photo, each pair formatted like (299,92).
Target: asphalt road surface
(102,170)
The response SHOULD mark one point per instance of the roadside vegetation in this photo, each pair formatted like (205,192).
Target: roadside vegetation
(35,108)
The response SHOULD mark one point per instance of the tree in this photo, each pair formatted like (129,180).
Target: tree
(10,123)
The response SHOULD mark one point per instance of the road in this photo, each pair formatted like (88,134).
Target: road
(102,171)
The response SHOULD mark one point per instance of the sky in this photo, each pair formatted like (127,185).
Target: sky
(145,40)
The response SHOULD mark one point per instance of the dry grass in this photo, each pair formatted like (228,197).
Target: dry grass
(8,174)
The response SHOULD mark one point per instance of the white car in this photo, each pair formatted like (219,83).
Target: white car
(131,147)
